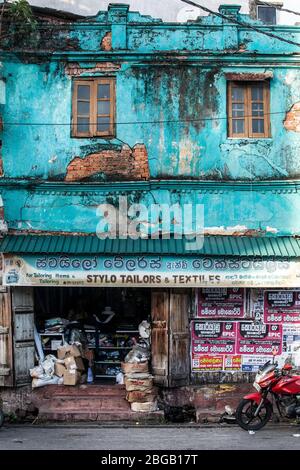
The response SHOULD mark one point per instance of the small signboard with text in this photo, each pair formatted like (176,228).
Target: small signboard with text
(221,303)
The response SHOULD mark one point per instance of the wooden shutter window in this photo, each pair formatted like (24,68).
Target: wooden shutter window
(94,108)
(248,109)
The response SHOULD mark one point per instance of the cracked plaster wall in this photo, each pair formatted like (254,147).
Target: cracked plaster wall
(178,113)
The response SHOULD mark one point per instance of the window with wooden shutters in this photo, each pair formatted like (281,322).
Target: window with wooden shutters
(249,109)
(94,108)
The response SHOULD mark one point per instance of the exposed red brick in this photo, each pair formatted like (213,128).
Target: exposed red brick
(74,69)
(106,42)
(124,164)
(253,76)
(292,119)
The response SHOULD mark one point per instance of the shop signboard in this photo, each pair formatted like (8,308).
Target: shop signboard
(259,339)
(149,271)
(282,306)
(221,303)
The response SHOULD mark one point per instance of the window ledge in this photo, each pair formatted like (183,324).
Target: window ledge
(248,139)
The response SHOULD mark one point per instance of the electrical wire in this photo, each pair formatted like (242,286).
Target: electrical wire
(168,121)
(66,26)
(241,23)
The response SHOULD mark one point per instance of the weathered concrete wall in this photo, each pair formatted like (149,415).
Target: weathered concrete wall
(208,401)
(239,209)
(171,123)
(178,113)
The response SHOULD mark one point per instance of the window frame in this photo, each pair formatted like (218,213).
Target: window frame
(265,7)
(93,114)
(248,117)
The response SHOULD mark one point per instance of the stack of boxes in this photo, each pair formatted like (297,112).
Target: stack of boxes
(69,365)
(141,393)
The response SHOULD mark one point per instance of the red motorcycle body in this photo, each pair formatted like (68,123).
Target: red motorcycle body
(289,385)
(255,410)
(255,397)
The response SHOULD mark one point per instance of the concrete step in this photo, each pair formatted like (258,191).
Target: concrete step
(101,416)
(85,403)
(80,391)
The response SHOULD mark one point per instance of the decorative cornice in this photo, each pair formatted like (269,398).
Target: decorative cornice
(234,57)
(182,186)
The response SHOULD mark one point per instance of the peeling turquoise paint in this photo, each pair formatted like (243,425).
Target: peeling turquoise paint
(172,82)
(169,103)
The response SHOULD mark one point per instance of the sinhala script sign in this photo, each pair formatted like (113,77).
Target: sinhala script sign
(139,271)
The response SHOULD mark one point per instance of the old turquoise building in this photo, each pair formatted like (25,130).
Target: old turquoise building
(124,105)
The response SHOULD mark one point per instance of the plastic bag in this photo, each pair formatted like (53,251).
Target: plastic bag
(49,364)
(145,329)
(138,354)
(46,380)
(120,378)
(37,372)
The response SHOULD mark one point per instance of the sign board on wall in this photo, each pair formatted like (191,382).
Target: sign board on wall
(259,339)
(221,303)
(282,306)
(211,342)
(219,345)
(149,271)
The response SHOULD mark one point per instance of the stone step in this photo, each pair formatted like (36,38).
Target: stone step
(80,391)
(101,416)
(84,403)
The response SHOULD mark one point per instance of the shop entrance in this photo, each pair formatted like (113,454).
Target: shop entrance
(104,320)
(109,319)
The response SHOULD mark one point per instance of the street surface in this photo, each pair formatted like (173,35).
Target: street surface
(93,437)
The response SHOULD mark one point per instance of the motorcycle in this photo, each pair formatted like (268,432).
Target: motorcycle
(255,410)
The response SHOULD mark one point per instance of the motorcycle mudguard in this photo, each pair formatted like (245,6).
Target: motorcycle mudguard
(255,397)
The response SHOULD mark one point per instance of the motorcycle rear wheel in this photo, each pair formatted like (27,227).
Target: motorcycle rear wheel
(245,415)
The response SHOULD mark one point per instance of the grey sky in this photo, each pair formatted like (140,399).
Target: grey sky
(168,10)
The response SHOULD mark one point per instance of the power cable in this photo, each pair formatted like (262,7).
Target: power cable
(241,23)
(169,121)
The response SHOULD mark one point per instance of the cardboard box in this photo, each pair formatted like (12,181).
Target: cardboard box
(139,382)
(146,407)
(62,351)
(59,369)
(68,350)
(74,363)
(141,397)
(71,377)
(129,368)
(74,351)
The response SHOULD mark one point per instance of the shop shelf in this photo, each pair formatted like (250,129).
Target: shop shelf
(107,362)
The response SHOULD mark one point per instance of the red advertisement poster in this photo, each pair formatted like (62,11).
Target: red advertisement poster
(282,306)
(213,338)
(259,339)
(221,303)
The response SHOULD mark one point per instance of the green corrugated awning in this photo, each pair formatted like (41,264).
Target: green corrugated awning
(281,247)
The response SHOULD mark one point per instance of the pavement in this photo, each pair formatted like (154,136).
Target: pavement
(159,437)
